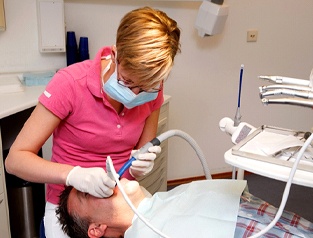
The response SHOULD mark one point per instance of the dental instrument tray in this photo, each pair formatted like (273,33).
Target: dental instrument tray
(276,146)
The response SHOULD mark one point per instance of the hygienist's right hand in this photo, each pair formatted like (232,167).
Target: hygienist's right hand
(94,181)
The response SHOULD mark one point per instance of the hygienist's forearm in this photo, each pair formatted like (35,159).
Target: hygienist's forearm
(32,168)
(23,160)
(150,129)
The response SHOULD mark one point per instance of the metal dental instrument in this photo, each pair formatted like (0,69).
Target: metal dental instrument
(305,137)
(286,80)
(291,101)
(280,152)
(300,91)
(284,86)
(289,92)
(237,119)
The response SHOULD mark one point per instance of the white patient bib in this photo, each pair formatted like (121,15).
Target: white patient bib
(200,209)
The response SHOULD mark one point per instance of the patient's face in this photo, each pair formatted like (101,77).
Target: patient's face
(98,209)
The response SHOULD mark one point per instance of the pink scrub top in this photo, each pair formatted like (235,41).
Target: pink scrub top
(90,129)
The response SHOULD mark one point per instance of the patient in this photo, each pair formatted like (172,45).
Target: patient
(185,211)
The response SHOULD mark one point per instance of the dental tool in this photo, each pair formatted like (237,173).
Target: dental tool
(300,91)
(289,92)
(286,80)
(305,137)
(110,169)
(237,118)
(284,86)
(142,150)
(291,101)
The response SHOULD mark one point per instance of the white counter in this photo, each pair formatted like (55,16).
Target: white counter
(11,103)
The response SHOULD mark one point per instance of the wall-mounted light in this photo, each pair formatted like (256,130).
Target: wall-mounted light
(211,17)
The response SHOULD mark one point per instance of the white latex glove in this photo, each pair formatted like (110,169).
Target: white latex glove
(94,181)
(144,163)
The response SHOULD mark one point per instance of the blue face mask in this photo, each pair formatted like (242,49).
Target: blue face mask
(125,95)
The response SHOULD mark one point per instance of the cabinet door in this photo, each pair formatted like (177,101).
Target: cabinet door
(4,225)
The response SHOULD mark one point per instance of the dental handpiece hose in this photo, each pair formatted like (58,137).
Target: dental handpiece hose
(164,136)
(142,150)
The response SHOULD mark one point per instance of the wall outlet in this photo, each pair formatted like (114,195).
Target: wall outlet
(252,35)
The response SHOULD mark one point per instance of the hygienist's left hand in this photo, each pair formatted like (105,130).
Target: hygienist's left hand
(144,163)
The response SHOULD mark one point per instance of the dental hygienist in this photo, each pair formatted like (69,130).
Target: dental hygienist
(108,106)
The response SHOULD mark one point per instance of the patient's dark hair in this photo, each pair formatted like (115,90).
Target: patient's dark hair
(73,225)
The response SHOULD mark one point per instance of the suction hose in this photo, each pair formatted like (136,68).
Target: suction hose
(194,145)
(164,136)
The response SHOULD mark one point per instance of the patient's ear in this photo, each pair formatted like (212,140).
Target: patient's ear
(96,230)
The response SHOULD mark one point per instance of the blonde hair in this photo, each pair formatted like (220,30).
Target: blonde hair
(147,42)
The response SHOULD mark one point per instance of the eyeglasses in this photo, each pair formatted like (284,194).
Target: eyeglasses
(129,84)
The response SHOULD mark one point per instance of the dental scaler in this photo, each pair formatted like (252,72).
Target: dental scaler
(285,80)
